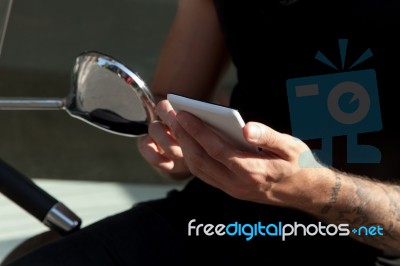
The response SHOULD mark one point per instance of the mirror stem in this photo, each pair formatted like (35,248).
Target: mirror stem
(31,104)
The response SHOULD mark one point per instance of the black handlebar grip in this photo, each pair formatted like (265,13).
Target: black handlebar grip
(24,192)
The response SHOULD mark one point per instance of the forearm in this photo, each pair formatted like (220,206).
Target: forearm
(359,201)
(192,61)
(194,56)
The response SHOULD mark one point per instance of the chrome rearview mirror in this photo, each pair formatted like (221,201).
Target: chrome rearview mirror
(104,93)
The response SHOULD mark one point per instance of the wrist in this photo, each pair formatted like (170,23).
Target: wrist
(319,191)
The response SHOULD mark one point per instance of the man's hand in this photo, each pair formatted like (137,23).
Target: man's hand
(161,150)
(273,176)
(286,174)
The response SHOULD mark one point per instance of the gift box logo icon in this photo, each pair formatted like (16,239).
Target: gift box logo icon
(339,104)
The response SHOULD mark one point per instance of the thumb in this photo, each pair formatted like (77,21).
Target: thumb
(268,139)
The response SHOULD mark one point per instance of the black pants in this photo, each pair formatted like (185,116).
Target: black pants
(156,233)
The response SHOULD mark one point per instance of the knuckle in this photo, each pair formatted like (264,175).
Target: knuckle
(216,150)
(142,143)
(234,165)
(271,138)
(295,147)
(175,152)
(155,128)
(178,133)
(247,189)
(160,107)
(149,156)
(196,164)
(239,192)
(196,131)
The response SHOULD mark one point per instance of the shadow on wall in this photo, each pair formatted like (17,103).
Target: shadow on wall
(43,39)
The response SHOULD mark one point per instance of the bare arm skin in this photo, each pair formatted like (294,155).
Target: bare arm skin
(194,56)
(192,60)
(287,174)
(360,201)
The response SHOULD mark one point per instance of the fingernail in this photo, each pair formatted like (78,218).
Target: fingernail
(254,133)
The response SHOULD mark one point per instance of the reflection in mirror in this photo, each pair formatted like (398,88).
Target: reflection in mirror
(104,93)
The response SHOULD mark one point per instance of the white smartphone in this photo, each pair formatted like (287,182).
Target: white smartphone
(225,121)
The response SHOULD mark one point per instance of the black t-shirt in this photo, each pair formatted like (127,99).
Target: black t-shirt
(277,48)
(300,64)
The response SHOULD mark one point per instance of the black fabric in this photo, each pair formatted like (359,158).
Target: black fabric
(271,43)
(156,233)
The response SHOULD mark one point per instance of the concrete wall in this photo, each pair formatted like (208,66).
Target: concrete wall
(43,38)
(42,41)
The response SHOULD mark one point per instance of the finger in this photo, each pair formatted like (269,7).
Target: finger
(165,112)
(165,141)
(151,153)
(205,136)
(198,160)
(239,163)
(265,137)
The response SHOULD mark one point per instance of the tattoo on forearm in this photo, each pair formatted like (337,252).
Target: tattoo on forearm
(366,202)
(394,202)
(393,212)
(355,213)
(334,195)
(361,213)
